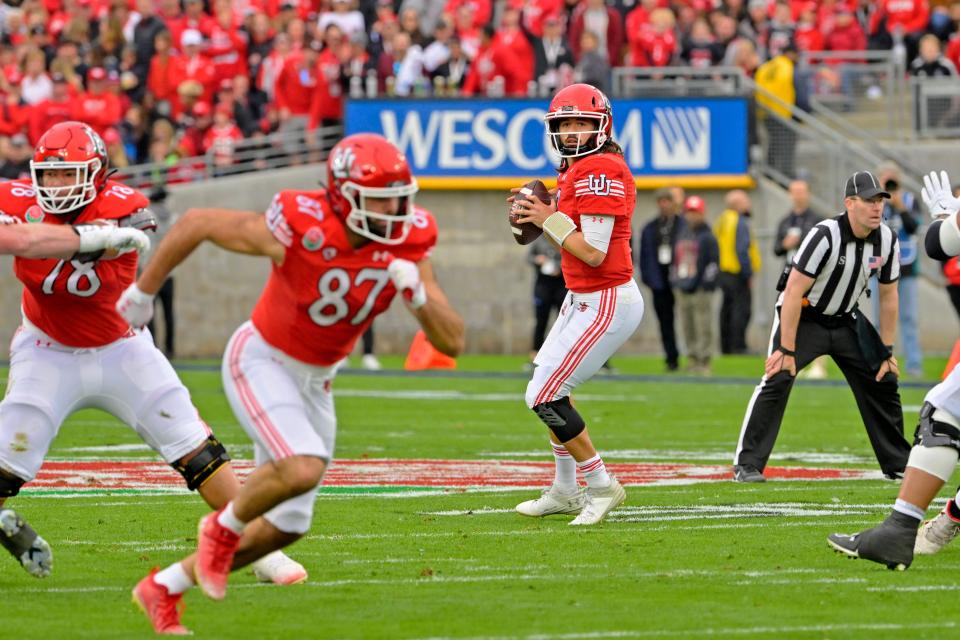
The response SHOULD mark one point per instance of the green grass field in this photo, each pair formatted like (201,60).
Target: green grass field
(677,561)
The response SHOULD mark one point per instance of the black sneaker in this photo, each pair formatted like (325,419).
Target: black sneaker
(31,551)
(890,543)
(747,473)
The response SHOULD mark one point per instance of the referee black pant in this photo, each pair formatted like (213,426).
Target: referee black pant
(879,402)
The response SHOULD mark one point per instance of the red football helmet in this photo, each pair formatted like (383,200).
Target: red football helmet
(75,147)
(579,101)
(365,166)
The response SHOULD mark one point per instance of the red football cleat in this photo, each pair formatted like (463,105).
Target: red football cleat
(216,546)
(161,608)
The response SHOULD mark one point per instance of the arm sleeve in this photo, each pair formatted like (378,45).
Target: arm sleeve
(597,231)
(813,252)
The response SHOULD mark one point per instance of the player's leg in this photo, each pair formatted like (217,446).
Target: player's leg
(879,403)
(764,414)
(932,461)
(142,389)
(265,390)
(42,387)
(570,357)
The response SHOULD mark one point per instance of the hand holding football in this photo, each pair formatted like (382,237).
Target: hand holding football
(527,232)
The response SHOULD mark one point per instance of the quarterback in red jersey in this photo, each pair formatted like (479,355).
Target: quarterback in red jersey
(339,256)
(73,350)
(590,222)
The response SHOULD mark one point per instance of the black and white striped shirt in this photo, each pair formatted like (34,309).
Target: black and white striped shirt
(841,264)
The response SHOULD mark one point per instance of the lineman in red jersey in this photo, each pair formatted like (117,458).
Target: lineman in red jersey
(72,335)
(590,222)
(339,258)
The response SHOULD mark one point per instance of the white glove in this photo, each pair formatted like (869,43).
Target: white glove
(135,306)
(5,219)
(938,196)
(95,237)
(406,278)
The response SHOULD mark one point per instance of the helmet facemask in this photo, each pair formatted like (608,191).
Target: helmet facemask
(59,200)
(385,228)
(596,137)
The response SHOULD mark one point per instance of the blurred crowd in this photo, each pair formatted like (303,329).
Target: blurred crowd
(166,79)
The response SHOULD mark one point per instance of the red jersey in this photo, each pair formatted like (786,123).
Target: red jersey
(598,184)
(71,301)
(326,293)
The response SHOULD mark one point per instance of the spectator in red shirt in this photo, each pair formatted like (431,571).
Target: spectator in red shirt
(482,10)
(534,12)
(657,43)
(227,49)
(221,138)
(295,86)
(470,35)
(166,74)
(606,24)
(194,125)
(329,110)
(808,36)
(55,109)
(195,65)
(97,106)
(846,34)
(14,113)
(487,75)
(193,17)
(272,65)
(512,44)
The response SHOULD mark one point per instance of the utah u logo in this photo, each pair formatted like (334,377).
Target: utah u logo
(342,163)
(600,186)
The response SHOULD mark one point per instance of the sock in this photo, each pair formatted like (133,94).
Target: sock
(594,472)
(907,509)
(566,475)
(174,578)
(229,519)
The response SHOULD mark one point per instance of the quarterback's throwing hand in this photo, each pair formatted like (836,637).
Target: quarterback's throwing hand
(135,306)
(937,194)
(406,278)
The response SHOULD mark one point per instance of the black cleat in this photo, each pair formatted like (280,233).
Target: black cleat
(890,543)
(747,473)
(23,543)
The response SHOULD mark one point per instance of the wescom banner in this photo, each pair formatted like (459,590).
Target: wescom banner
(481,143)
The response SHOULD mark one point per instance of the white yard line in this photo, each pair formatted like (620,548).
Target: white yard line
(772,631)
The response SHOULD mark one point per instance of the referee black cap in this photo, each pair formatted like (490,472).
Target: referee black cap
(864,184)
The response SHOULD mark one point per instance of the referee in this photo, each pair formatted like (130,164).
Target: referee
(817,315)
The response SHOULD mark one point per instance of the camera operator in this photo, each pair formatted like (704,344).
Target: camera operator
(902,214)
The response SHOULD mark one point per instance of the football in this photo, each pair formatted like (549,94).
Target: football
(527,232)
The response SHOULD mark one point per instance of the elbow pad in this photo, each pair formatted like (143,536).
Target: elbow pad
(943,238)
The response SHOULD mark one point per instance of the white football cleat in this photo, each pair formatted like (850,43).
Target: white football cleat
(600,502)
(935,534)
(370,362)
(552,501)
(31,551)
(279,569)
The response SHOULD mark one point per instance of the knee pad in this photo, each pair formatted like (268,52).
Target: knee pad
(204,464)
(561,418)
(935,430)
(10,484)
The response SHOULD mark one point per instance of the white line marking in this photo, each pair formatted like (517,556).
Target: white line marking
(699,632)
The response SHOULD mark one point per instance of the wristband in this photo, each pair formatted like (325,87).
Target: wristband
(787,352)
(558,226)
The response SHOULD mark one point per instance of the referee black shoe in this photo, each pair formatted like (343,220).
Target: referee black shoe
(890,543)
(746,473)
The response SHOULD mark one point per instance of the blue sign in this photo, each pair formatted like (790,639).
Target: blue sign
(506,138)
